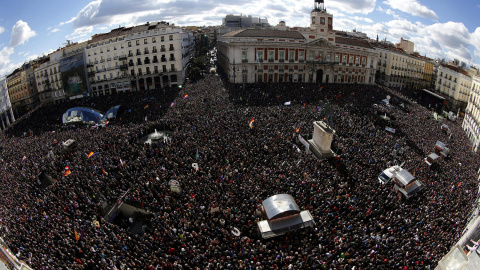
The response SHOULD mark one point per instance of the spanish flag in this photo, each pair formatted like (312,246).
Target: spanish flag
(298,128)
(146,106)
(90,154)
(250,124)
(77,236)
(185,96)
(67,173)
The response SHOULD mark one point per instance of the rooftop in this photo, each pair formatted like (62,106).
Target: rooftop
(353,42)
(268,33)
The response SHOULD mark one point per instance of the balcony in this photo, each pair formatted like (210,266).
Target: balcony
(139,63)
(281,60)
(281,70)
(102,60)
(146,52)
(291,60)
(109,59)
(154,51)
(115,57)
(163,59)
(139,53)
(244,71)
(155,60)
(301,60)
(123,57)
(131,64)
(270,70)
(244,60)
(162,49)
(147,61)
(124,67)
(173,70)
(171,49)
(96,62)
(270,60)
(91,73)
(260,60)
(260,70)
(171,59)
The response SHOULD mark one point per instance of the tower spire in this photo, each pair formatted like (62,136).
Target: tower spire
(319,5)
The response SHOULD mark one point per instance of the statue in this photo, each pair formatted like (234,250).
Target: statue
(325,112)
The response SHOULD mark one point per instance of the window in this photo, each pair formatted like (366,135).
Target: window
(301,56)
(281,55)
(244,56)
(129,44)
(357,60)
(313,20)
(162,38)
(138,42)
(170,37)
(291,55)
(337,58)
(260,56)
(145,41)
(322,20)
(270,55)
(350,60)
(154,40)
(344,58)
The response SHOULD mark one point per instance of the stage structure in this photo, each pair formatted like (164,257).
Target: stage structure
(321,143)
(283,215)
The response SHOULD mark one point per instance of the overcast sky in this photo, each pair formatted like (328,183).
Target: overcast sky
(440,28)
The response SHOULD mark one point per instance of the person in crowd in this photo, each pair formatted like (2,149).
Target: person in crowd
(359,224)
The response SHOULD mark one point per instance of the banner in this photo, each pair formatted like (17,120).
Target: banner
(73,75)
(392,130)
(303,141)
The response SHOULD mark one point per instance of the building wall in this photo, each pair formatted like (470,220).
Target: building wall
(142,60)
(288,60)
(456,86)
(471,122)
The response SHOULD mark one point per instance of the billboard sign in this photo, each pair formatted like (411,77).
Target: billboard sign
(73,75)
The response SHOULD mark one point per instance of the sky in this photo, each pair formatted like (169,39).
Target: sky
(439,28)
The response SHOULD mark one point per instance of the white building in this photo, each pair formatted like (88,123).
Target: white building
(314,54)
(455,84)
(6,113)
(149,56)
(471,122)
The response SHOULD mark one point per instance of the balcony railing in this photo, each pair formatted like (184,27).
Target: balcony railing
(244,60)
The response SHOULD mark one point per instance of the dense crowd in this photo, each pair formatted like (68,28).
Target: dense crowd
(360,224)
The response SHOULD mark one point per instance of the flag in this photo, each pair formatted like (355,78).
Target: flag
(24,157)
(321,87)
(459,184)
(171,105)
(67,173)
(318,56)
(67,168)
(106,123)
(122,162)
(339,96)
(104,172)
(90,154)
(185,96)
(77,236)
(55,141)
(250,124)
(297,129)
(146,106)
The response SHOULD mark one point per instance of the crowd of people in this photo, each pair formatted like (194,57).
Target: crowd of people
(359,224)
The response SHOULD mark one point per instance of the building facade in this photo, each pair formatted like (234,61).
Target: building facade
(398,69)
(6,113)
(22,89)
(146,57)
(455,84)
(313,55)
(471,122)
